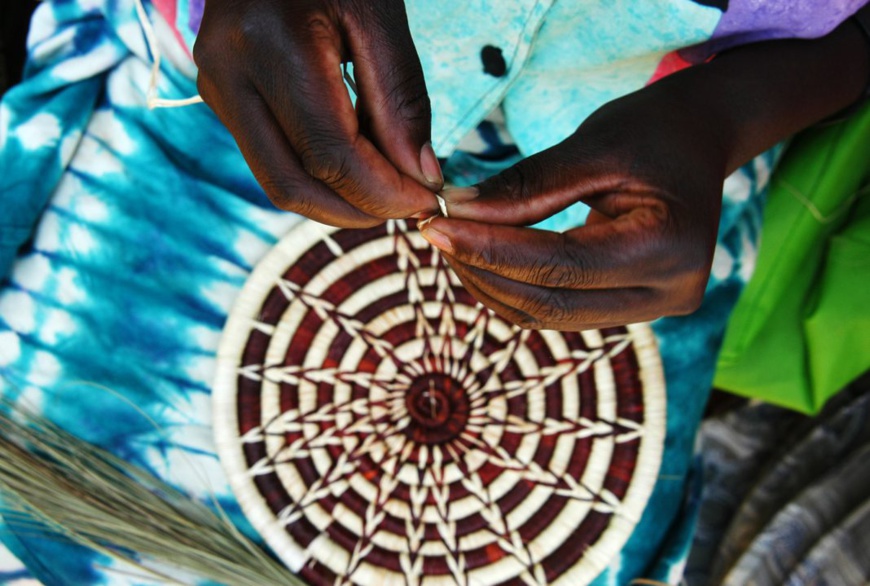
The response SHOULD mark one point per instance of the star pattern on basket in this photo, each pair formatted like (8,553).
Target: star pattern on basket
(384,427)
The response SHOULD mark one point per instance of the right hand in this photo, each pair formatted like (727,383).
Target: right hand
(271,71)
(651,168)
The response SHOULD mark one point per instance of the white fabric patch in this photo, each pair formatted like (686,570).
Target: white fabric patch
(201,369)
(48,233)
(748,257)
(32,272)
(222,295)
(43,25)
(723,263)
(46,48)
(32,398)
(67,290)
(45,369)
(81,239)
(42,130)
(737,187)
(90,5)
(92,157)
(92,63)
(10,351)
(128,82)
(105,126)
(17,309)
(68,146)
(58,324)
(11,564)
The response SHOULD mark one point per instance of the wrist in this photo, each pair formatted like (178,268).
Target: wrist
(796,84)
(755,96)
(861,20)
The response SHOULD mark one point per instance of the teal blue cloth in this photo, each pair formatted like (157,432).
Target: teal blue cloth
(143,226)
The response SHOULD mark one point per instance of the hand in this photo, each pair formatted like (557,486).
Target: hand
(271,70)
(654,184)
(651,166)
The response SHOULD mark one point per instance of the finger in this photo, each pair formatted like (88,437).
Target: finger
(392,90)
(274,163)
(537,187)
(618,253)
(596,217)
(311,104)
(565,309)
(510,314)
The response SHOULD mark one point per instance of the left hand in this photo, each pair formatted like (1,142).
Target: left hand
(654,183)
(651,166)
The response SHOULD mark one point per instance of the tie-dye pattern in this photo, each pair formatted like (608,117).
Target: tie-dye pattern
(137,229)
(559,52)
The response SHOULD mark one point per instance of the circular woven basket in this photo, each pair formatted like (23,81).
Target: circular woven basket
(380,427)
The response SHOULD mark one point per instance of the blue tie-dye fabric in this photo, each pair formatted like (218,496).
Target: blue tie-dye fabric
(141,226)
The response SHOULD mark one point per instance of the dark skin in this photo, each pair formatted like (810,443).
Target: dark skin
(650,165)
(270,70)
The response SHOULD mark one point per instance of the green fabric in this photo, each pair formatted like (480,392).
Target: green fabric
(801,329)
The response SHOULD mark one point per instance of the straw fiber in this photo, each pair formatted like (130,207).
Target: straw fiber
(380,427)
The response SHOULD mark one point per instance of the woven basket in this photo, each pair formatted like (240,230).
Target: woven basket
(380,427)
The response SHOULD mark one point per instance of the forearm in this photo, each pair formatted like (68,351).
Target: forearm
(754,96)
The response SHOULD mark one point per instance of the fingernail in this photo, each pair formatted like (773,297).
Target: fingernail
(459,194)
(437,239)
(429,165)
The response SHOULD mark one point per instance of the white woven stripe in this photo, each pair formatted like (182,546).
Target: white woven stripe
(372,427)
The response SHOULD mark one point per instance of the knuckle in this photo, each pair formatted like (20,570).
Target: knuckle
(314,24)
(551,306)
(327,160)
(408,97)
(690,299)
(302,206)
(331,161)
(571,268)
(208,56)
(564,267)
(241,29)
(683,280)
(657,235)
(387,33)
(208,41)
(225,39)
(211,88)
(286,193)
(201,55)
(551,272)
(490,254)
(689,293)
(414,106)
(249,30)
(526,322)
(522,181)
(203,87)
(654,216)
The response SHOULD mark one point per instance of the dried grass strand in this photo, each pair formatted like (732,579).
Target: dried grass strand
(55,484)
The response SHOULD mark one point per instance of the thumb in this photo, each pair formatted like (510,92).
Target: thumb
(534,189)
(392,92)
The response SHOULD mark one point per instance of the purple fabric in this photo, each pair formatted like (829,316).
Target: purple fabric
(744,21)
(195,14)
(748,21)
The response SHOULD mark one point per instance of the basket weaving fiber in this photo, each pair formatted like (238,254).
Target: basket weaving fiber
(380,427)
